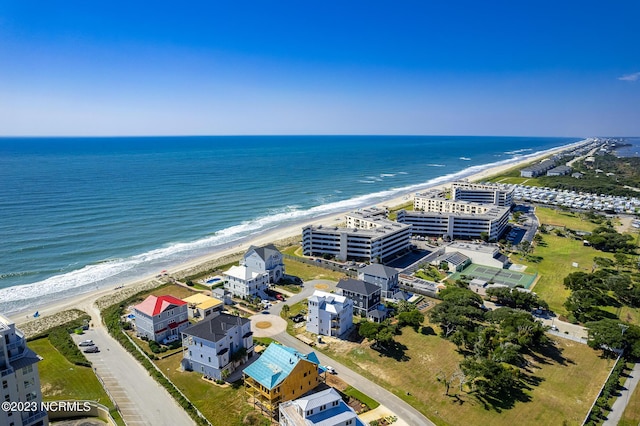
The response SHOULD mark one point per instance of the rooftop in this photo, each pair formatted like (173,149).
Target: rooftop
(276,363)
(154,305)
(214,328)
(379,270)
(357,286)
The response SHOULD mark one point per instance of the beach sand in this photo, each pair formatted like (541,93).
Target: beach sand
(111,295)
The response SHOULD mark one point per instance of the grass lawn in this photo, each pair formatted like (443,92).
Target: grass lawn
(295,250)
(310,272)
(571,220)
(393,212)
(221,405)
(60,379)
(562,391)
(631,416)
(173,290)
(558,253)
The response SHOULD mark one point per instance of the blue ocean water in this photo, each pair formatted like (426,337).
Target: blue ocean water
(81,213)
(632,149)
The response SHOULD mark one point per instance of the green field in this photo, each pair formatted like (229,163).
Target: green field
(60,379)
(558,255)
(221,405)
(310,272)
(571,220)
(559,389)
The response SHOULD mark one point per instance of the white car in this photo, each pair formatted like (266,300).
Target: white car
(86,343)
(330,369)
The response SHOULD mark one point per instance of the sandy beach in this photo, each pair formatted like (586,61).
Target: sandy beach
(110,295)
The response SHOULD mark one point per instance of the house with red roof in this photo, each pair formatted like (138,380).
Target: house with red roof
(160,317)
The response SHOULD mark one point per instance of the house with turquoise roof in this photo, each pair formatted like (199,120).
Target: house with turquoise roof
(280,374)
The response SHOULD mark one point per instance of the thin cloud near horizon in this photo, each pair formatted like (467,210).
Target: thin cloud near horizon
(630,77)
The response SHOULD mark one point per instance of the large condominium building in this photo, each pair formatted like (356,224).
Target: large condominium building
(368,236)
(439,217)
(19,378)
(482,194)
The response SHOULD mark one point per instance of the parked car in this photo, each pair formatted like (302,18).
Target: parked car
(330,369)
(86,343)
(91,349)
(279,296)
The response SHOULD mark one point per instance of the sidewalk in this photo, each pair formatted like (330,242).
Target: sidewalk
(623,399)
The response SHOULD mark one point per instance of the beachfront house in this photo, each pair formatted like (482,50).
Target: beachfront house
(160,317)
(217,345)
(266,259)
(200,305)
(329,314)
(280,374)
(365,296)
(383,276)
(321,408)
(20,379)
(244,282)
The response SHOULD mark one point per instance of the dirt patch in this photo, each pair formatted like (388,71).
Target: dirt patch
(321,286)
(336,382)
(263,324)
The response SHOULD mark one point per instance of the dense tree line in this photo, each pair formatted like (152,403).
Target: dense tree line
(607,239)
(517,299)
(590,292)
(493,342)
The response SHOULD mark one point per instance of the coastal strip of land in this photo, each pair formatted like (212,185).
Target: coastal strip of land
(110,295)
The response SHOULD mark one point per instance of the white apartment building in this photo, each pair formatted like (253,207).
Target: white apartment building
(329,314)
(19,379)
(482,194)
(437,216)
(368,236)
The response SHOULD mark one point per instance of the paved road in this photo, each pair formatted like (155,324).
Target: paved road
(402,409)
(621,402)
(142,401)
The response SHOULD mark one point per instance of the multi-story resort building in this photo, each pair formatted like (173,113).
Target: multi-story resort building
(329,314)
(19,377)
(437,216)
(368,236)
(482,194)
(159,317)
(280,374)
(324,408)
(217,345)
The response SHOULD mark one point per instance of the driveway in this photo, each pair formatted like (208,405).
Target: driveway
(141,400)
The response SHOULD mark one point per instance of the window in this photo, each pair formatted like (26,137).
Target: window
(28,369)
(4,384)
(31,396)
(29,383)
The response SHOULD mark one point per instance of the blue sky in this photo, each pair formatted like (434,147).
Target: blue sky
(540,68)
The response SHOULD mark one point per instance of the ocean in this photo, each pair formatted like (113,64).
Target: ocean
(82,213)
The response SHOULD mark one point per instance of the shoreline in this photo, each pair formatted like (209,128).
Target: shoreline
(87,299)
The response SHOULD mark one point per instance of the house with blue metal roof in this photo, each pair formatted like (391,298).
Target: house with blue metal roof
(324,408)
(280,374)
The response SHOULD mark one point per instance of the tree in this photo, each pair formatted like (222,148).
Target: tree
(413,318)
(611,335)
(380,333)
(285,310)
